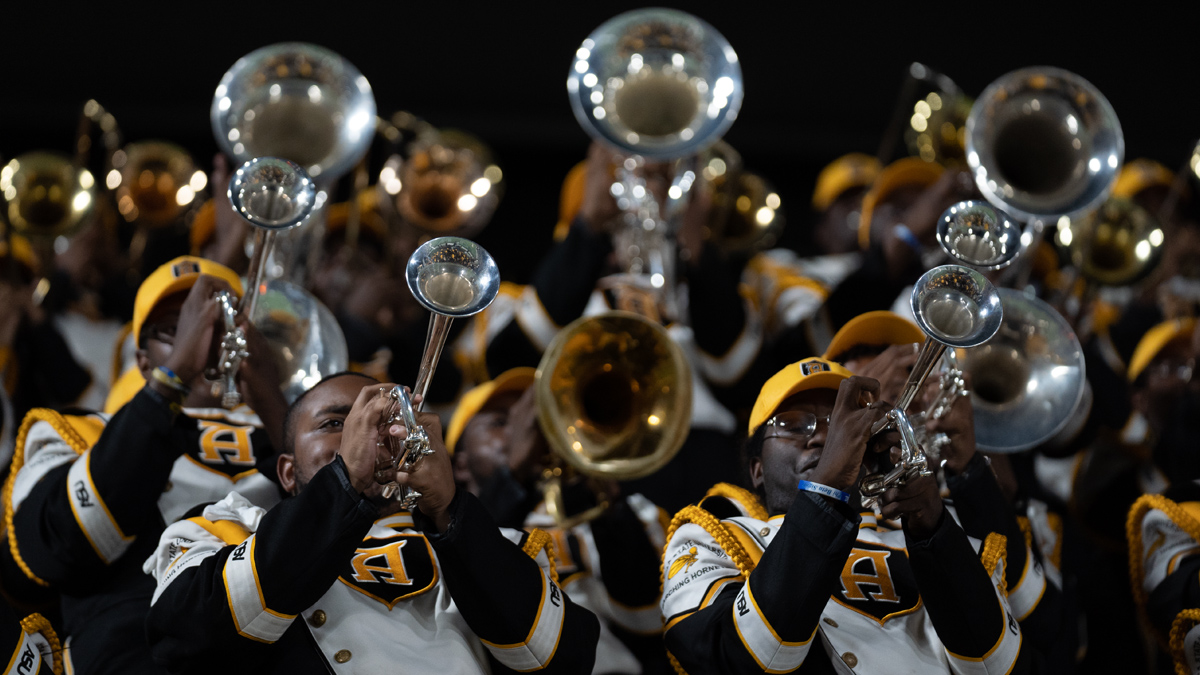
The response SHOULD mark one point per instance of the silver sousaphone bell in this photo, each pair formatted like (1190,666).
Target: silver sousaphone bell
(954,306)
(979,235)
(452,278)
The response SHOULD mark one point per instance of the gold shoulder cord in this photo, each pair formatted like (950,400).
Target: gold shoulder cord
(698,516)
(1186,620)
(72,436)
(1133,533)
(995,549)
(747,499)
(539,540)
(36,623)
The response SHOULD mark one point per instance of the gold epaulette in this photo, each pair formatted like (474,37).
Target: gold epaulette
(1187,517)
(1183,623)
(995,549)
(537,541)
(741,496)
(36,623)
(79,432)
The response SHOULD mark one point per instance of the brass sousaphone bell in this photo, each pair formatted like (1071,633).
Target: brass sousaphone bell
(614,398)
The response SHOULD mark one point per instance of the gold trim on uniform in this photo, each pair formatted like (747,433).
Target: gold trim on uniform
(251,616)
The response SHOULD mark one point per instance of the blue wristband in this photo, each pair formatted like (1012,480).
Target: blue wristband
(906,235)
(824,490)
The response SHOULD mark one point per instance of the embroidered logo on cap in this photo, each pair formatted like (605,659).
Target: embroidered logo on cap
(811,367)
(186,267)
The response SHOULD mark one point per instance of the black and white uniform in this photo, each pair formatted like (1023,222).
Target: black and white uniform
(748,595)
(31,644)
(90,495)
(320,583)
(1164,548)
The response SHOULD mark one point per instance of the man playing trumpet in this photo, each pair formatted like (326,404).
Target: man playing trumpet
(338,577)
(820,581)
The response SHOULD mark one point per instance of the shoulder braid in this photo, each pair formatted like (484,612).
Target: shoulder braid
(539,540)
(1133,534)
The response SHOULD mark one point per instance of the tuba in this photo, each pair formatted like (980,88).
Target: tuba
(1028,381)
(654,84)
(614,399)
(273,195)
(954,306)
(452,278)
(1044,145)
(1115,245)
(746,214)
(302,103)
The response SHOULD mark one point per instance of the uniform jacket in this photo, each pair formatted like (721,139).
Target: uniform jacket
(823,589)
(89,496)
(320,583)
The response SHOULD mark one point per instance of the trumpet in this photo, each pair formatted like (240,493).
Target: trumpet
(663,85)
(614,400)
(954,306)
(273,195)
(452,278)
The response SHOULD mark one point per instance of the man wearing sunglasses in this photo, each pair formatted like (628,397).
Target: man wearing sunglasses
(821,580)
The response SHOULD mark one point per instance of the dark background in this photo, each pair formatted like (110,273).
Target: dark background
(820,79)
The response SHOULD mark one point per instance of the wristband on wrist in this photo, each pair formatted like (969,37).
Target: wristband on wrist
(173,406)
(825,490)
(166,376)
(906,235)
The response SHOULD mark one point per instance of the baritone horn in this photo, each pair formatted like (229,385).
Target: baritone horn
(1044,144)
(954,306)
(1027,382)
(273,195)
(614,399)
(452,278)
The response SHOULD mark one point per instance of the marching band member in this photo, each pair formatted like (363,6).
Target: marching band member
(608,564)
(337,578)
(747,595)
(90,493)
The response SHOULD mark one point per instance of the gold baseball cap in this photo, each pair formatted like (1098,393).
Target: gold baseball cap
(516,379)
(1154,341)
(811,373)
(177,275)
(1140,174)
(873,328)
(902,172)
(847,172)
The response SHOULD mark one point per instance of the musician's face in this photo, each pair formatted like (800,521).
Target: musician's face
(159,342)
(482,448)
(787,460)
(316,433)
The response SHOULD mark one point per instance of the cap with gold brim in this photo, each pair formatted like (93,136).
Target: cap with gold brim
(172,277)
(873,328)
(811,373)
(516,379)
(1154,341)
(853,170)
(902,172)
(1140,174)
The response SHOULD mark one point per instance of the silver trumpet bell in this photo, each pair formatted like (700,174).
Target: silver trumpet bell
(298,101)
(1028,381)
(656,82)
(452,278)
(954,306)
(273,195)
(979,236)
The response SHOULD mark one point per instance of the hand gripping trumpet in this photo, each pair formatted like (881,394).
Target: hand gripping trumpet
(272,195)
(451,277)
(957,307)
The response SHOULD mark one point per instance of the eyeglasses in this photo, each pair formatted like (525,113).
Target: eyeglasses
(794,424)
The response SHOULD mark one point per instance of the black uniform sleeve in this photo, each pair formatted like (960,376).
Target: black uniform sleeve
(296,553)
(966,609)
(84,515)
(718,314)
(770,621)
(520,614)
(629,563)
(567,275)
(49,376)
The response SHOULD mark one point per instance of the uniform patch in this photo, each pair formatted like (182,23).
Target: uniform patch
(390,569)
(810,367)
(224,448)
(877,582)
(184,268)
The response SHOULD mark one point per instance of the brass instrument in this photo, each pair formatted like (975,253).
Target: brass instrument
(976,235)
(954,306)
(304,336)
(48,195)
(1044,145)
(155,182)
(273,195)
(452,278)
(444,183)
(302,103)
(1028,381)
(746,214)
(660,85)
(932,112)
(614,398)
(1115,245)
